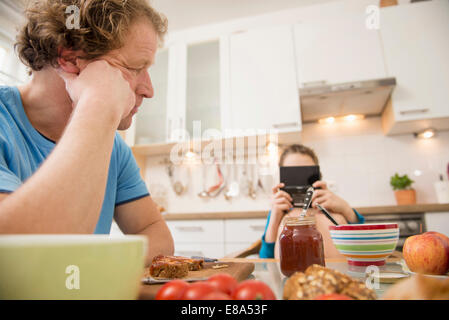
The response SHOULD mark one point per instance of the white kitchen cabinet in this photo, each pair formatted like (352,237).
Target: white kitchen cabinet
(338,50)
(198,237)
(415,40)
(214,238)
(176,99)
(240,234)
(203,87)
(244,230)
(201,249)
(197,231)
(151,120)
(159,119)
(262,80)
(234,247)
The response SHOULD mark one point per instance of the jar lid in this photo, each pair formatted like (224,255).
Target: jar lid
(300,221)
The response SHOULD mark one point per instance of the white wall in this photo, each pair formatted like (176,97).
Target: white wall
(356,156)
(361,160)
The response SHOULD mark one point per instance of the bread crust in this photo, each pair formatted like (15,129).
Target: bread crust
(174,266)
(318,280)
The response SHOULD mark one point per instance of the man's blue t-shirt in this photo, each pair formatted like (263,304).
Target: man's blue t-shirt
(23,149)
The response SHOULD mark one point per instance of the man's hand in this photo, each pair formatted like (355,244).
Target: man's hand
(100,83)
(331,201)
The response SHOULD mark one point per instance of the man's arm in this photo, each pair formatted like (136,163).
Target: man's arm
(66,193)
(142,217)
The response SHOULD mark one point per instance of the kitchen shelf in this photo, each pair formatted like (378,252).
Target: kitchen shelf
(141,152)
(158,149)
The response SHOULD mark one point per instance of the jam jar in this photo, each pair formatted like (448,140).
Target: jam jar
(300,244)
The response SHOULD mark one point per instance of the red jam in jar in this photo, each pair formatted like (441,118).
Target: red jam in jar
(301,245)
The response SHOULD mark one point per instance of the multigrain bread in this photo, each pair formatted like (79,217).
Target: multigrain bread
(173,266)
(318,280)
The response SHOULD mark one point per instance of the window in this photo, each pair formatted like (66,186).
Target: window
(9,67)
(2,57)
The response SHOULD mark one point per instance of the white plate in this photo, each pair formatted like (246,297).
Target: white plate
(407,270)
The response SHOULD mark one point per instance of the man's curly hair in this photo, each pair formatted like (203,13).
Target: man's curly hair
(103,24)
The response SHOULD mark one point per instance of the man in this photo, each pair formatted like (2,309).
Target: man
(63,167)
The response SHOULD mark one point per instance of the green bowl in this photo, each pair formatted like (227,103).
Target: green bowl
(71,266)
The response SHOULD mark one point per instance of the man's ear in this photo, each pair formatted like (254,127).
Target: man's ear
(68,60)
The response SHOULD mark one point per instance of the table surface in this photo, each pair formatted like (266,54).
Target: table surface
(268,271)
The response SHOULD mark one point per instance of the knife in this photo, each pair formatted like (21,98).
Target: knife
(204,258)
(150,280)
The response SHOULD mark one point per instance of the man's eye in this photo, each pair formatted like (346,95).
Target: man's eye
(134,70)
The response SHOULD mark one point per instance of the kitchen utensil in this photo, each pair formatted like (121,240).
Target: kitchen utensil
(251,179)
(234,188)
(204,194)
(177,185)
(375,241)
(215,190)
(327,214)
(151,280)
(71,267)
(204,258)
(307,201)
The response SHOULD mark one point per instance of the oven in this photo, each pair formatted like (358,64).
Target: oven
(409,224)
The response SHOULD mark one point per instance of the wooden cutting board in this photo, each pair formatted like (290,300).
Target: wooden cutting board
(239,270)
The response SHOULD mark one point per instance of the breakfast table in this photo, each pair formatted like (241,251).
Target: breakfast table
(268,271)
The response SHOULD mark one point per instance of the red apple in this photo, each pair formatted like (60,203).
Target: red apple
(442,236)
(427,253)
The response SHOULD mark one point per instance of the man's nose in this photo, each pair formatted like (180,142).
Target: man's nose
(144,86)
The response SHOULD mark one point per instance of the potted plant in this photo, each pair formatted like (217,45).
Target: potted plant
(402,189)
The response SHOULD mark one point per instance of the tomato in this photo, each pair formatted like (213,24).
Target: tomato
(223,282)
(332,296)
(172,290)
(198,290)
(217,295)
(253,290)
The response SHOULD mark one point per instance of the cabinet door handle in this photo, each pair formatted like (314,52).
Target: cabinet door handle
(413,111)
(190,229)
(285,125)
(258,228)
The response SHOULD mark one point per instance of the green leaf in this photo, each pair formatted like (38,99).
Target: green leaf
(401,182)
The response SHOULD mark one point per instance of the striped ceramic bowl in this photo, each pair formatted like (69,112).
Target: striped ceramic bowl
(365,244)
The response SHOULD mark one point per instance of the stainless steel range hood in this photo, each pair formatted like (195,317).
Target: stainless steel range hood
(367,97)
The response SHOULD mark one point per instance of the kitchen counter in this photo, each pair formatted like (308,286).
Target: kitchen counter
(418,208)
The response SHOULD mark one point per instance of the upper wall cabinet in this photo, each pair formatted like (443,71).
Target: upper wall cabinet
(337,50)
(203,110)
(263,89)
(415,39)
(151,120)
